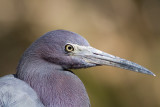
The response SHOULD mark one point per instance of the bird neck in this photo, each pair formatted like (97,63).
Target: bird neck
(55,86)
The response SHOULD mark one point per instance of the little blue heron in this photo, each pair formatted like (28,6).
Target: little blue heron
(43,75)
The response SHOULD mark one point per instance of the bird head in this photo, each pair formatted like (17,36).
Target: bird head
(71,51)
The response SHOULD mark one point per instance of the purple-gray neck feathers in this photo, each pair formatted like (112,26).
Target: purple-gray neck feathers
(55,87)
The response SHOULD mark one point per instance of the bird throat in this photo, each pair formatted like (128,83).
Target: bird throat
(55,86)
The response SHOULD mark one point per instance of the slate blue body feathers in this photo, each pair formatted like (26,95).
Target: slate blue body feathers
(16,93)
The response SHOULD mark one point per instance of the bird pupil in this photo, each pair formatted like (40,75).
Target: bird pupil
(70,48)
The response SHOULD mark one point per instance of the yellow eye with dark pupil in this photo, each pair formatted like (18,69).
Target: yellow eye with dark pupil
(69,48)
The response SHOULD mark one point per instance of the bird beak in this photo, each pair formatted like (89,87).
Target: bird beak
(97,57)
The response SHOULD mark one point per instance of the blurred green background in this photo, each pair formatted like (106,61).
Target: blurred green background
(129,29)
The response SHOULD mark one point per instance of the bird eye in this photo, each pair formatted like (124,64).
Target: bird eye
(69,48)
